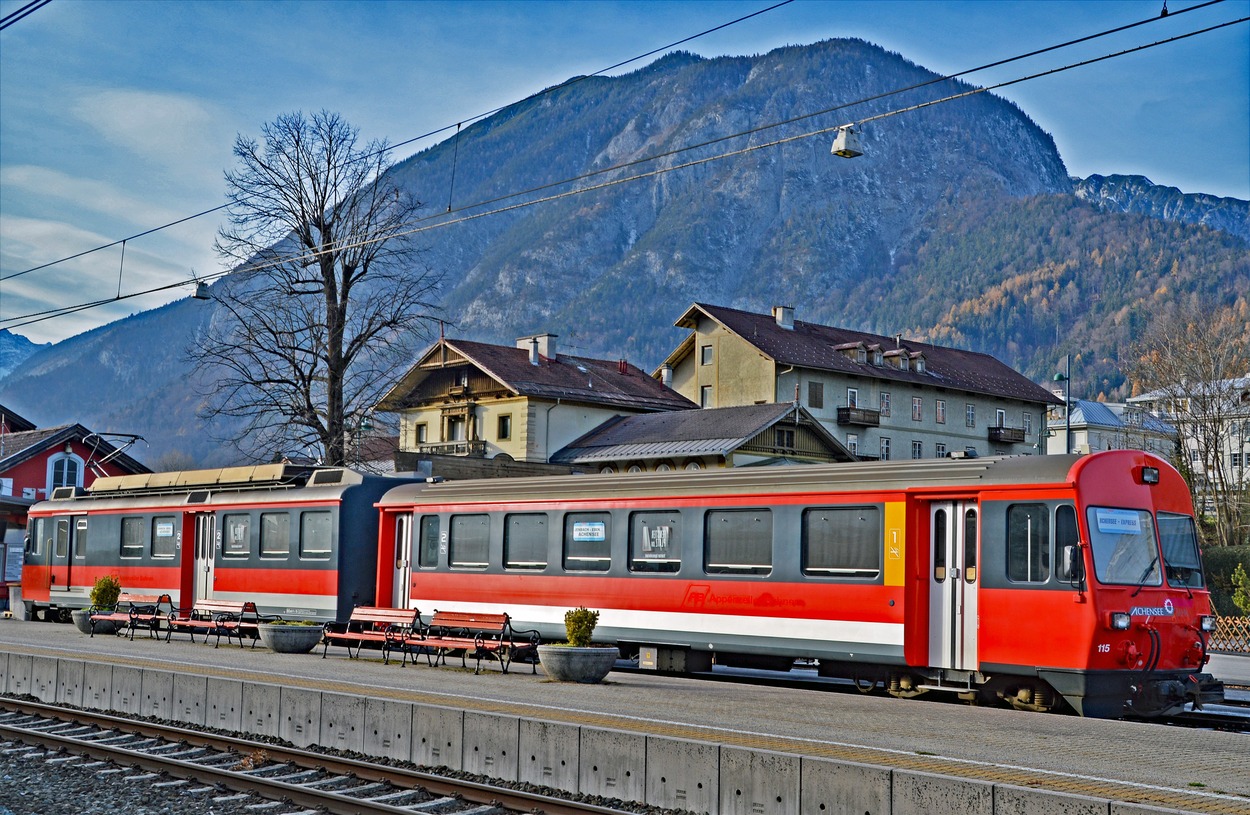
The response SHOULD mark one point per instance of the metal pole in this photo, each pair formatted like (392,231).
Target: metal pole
(1067,401)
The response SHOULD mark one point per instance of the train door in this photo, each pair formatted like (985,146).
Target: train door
(205,555)
(953,585)
(400,589)
(69,551)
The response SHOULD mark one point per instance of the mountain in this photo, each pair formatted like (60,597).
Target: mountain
(1136,193)
(958,224)
(14,350)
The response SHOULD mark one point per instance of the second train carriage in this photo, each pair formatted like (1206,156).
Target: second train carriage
(1036,580)
(297,541)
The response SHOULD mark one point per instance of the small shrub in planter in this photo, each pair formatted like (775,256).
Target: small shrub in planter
(104,596)
(578,660)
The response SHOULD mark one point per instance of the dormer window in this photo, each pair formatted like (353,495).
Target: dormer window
(878,358)
(918,362)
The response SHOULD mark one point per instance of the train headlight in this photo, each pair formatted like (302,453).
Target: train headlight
(1150,475)
(1120,621)
(1207,622)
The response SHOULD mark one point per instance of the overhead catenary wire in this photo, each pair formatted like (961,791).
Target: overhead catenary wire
(40,316)
(28,9)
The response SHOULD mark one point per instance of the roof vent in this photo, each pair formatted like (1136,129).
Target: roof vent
(328,477)
(784,315)
(64,493)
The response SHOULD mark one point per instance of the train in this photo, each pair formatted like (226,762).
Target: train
(1047,583)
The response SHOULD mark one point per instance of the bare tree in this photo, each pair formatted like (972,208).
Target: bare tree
(1194,362)
(328,298)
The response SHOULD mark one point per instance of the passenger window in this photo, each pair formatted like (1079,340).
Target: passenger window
(316,535)
(1028,543)
(428,544)
(939,546)
(132,537)
(738,541)
(470,542)
(163,540)
(525,541)
(1067,542)
(237,540)
(970,545)
(61,548)
(80,539)
(655,541)
(34,545)
(842,542)
(275,534)
(587,542)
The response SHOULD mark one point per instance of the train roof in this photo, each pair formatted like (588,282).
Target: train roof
(864,475)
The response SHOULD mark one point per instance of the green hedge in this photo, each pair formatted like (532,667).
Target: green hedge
(1220,562)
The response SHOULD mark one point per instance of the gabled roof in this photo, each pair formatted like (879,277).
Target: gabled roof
(567,378)
(710,431)
(822,348)
(17,448)
(1100,414)
(15,423)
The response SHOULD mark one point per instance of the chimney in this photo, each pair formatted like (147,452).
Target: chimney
(784,315)
(538,344)
(666,375)
(622,367)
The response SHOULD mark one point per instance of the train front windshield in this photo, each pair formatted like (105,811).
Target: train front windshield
(1126,551)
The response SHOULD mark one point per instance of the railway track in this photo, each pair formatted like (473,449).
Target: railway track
(297,782)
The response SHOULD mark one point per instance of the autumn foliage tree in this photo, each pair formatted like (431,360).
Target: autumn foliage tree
(328,294)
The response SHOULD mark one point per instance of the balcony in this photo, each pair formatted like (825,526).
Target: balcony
(1007,435)
(862,417)
(468,449)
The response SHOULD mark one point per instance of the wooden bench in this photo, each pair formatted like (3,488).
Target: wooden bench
(133,610)
(482,636)
(372,624)
(228,618)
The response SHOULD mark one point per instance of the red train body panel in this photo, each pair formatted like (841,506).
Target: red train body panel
(1028,579)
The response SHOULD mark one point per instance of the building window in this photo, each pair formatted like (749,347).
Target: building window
(970,415)
(885,404)
(852,397)
(852,443)
(705,355)
(1000,418)
(505,427)
(421,431)
(917,409)
(939,450)
(1235,460)
(917,449)
(64,470)
(940,411)
(816,395)
(784,437)
(885,448)
(455,429)
(705,396)
(1028,423)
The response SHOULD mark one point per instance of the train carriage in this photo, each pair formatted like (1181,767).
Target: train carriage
(1041,581)
(298,542)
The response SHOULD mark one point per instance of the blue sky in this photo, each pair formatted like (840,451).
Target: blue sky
(117,116)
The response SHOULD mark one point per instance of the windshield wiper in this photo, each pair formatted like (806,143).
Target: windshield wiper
(1141,581)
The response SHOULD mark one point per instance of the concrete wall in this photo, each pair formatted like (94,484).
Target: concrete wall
(664,772)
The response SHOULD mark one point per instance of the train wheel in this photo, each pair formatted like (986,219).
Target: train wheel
(866,685)
(64,615)
(1037,698)
(904,686)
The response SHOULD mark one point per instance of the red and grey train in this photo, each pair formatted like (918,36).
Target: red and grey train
(1046,582)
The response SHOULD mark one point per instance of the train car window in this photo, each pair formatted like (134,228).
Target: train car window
(34,546)
(1124,546)
(970,546)
(655,541)
(275,534)
(738,541)
(163,541)
(939,545)
(133,537)
(525,541)
(428,550)
(842,542)
(1180,551)
(80,539)
(469,542)
(316,535)
(1067,538)
(587,542)
(1028,543)
(237,541)
(61,545)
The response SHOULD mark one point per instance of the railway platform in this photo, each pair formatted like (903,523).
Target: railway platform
(684,743)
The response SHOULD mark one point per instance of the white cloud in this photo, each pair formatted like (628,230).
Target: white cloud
(176,131)
(86,194)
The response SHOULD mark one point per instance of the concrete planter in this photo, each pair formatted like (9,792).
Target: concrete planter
(289,639)
(564,663)
(82,621)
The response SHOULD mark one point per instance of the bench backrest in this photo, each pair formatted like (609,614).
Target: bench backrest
(384,616)
(470,620)
(222,606)
(130,599)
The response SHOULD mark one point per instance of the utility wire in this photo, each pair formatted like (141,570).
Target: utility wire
(567,83)
(30,8)
(40,316)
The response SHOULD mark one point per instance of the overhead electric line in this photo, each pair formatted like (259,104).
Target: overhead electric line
(40,316)
(30,8)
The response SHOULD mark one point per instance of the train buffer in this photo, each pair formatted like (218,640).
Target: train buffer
(371,624)
(482,636)
(134,610)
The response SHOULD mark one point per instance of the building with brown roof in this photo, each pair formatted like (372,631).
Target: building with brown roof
(514,404)
(882,397)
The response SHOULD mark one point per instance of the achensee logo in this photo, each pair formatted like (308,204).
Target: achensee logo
(1165,610)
